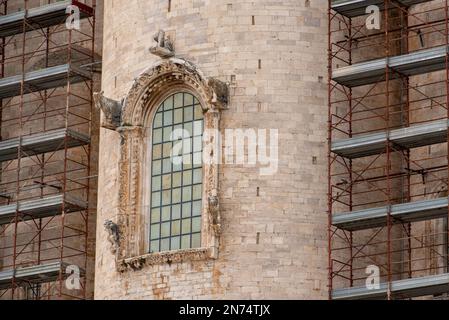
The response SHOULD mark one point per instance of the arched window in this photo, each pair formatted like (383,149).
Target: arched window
(166,205)
(176,174)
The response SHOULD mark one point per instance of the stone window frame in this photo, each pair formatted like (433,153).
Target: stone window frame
(149,90)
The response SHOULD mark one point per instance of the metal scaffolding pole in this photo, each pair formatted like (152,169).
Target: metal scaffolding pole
(388,149)
(46,117)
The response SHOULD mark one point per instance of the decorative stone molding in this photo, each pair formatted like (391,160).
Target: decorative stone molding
(137,263)
(146,94)
(154,82)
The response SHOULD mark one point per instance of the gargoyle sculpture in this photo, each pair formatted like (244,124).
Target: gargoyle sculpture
(112,111)
(214,211)
(164,47)
(221,91)
(113,235)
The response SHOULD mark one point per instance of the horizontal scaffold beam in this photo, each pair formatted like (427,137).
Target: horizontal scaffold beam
(400,213)
(369,72)
(415,136)
(41,208)
(40,17)
(41,143)
(400,289)
(43,79)
(354,8)
(33,275)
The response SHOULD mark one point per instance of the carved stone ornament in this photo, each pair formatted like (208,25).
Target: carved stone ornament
(113,235)
(112,111)
(164,46)
(148,91)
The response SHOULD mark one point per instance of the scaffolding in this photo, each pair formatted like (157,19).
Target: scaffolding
(46,102)
(388,149)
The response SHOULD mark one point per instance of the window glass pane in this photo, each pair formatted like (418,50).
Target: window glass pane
(165,229)
(197,159)
(187,146)
(168,104)
(168,118)
(157,152)
(186,193)
(178,116)
(179,130)
(188,114)
(166,214)
(165,244)
(156,183)
(179,100)
(198,112)
(177,148)
(197,175)
(167,134)
(154,246)
(175,243)
(176,211)
(185,242)
(166,181)
(197,190)
(197,144)
(166,164)
(157,136)
(176,228)
(156,199)
(186,209)
(188,99)
(155,215)
(196,208)
(177,179)
(196,224)
(196,240)
(166,197)
(176,196)
(187,161)
(188,127)
(157,167)
(187,177)
(175,218)
(186,226)
(166,150)
(155,228)
(198,128)
(177,164)
(158,120)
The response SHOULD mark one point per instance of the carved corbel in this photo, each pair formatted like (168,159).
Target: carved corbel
(113,231)
(214,212)
(220,93)
(164,47)
(112,111)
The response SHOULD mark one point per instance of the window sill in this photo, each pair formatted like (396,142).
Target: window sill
(169,257)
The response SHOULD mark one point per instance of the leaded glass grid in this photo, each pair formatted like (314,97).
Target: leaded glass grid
(176,179)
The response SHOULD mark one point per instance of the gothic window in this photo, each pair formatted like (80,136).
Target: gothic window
(166,205)
(176,174)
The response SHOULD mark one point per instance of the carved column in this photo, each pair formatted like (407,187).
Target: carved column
(211,160)
(129,213)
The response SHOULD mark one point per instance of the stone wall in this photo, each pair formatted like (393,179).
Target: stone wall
(274,228)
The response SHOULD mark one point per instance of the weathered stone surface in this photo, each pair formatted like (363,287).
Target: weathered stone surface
(273,241)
